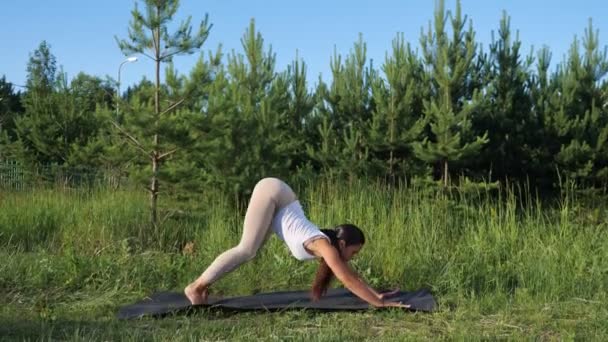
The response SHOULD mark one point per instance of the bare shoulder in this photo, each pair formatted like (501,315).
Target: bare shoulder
(322,248)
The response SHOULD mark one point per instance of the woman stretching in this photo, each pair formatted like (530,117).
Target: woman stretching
(274,207)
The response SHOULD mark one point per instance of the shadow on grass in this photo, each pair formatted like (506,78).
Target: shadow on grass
(65,329)
(201,323)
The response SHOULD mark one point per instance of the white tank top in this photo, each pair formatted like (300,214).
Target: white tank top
(291,225)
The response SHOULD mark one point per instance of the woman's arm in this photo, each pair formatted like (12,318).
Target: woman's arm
(323,278)
(385,294)
(342,271)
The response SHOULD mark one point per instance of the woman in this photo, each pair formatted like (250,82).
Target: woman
(274,207)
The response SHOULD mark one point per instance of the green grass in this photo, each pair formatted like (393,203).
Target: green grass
(501,266)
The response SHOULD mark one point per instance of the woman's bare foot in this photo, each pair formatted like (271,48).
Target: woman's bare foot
(195,295)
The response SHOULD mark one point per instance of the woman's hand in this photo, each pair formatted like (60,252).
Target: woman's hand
(384,297)
(395,305)
(388,294)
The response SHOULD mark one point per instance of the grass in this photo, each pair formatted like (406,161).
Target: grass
(501,266)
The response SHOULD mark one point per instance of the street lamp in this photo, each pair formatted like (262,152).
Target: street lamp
(131,59)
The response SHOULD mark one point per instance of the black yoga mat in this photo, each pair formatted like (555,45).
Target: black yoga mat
(163,303)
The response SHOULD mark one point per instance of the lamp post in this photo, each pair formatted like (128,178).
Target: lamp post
(131,59)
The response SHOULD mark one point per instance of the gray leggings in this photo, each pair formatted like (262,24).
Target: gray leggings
(269,195)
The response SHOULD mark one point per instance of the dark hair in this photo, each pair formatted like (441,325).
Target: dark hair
(351,235)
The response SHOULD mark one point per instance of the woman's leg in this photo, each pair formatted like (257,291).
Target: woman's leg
(268,196)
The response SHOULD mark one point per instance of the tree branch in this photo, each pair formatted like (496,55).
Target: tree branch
(131,138)
(149,56)
(166,154)
(172,106)
(177,52)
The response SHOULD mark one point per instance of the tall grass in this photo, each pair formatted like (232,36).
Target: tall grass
(484,249)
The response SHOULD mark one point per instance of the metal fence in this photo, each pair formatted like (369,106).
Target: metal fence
(12,176)
(17,177)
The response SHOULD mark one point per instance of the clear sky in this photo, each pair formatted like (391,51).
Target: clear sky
(81,32)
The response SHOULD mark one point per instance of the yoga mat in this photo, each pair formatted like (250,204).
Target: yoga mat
(164,303)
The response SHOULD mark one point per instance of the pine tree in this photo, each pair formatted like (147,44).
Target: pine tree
(42,70)
(10,108)
(149,35)
(577,119)
(601,149)
(452,97)
(59,121)
(300,113)
(397,118)
(197,86)
(506,111)
(343,111)
(349,100)
(38,134)
(187,175)
(542,87)
(246,122)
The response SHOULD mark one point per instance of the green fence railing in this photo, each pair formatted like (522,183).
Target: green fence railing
(17,177)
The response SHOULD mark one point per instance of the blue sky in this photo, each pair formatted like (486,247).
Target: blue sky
(81,32)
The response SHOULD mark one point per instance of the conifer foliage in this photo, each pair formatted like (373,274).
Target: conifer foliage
(453,95)
(146,129)
(439,107)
